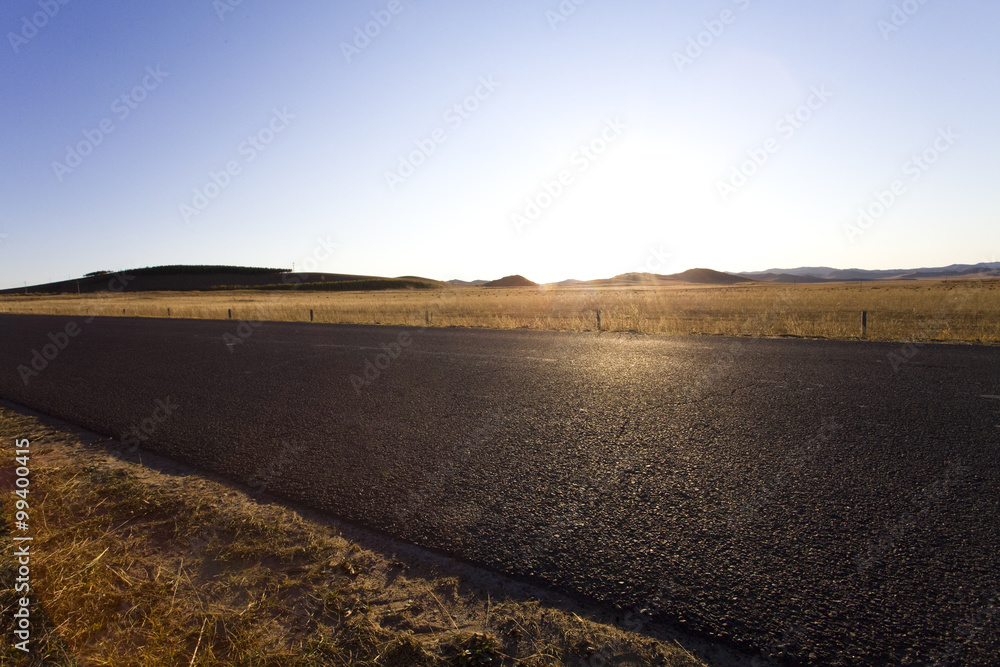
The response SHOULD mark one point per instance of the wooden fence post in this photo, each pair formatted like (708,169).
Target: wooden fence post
(598,320)
(864,323)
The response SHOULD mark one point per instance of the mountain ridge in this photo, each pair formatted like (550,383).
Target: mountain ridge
(830,274)
(193,277)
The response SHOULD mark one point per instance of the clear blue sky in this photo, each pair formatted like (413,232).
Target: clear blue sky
(314,131)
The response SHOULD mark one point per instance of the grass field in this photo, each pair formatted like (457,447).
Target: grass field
(946,310)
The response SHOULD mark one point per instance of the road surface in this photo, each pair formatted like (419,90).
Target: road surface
(801,500)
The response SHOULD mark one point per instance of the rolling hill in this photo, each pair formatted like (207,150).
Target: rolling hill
(195,278)
(818,274)
(511,281)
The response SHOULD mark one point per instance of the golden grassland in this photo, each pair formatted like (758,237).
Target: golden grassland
(136,564)
(945,310)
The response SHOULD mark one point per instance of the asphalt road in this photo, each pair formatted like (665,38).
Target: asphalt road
(810,501)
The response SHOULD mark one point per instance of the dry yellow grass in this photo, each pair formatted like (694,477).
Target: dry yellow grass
(952,310)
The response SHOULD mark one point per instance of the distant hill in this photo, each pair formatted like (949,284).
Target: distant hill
(511,281)
(785,278)
(183,277)
(708,276)
(633,278)
(195,278)
(808,271)
(803,274)
(700,276)
(828,274)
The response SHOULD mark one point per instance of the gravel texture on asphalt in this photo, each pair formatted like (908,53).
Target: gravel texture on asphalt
(801,500)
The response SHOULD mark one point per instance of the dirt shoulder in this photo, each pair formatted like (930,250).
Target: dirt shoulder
(136,558)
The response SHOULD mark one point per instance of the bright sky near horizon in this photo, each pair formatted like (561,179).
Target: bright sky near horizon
(448,139)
